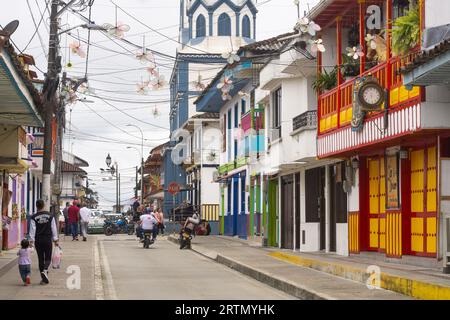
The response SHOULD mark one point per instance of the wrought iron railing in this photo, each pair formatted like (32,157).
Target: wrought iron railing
(307,120)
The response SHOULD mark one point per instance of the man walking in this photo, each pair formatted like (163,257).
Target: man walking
(42,231)
(66,219)
(74,218)
(85,214)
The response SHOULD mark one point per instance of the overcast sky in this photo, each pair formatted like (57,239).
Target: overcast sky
(113,72)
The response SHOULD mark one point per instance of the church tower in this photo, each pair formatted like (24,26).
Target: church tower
(216,25)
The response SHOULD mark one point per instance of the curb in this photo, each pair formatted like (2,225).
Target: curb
(410,287)
(8,266)
(281,284)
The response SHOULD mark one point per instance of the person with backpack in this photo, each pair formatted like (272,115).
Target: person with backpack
(42,232)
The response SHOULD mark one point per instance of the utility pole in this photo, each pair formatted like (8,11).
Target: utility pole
(136,189)
(50,88)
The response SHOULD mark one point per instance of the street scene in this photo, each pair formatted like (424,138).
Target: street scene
(208,150)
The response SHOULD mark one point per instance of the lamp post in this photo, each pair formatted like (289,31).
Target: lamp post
(142,160)
(114,170)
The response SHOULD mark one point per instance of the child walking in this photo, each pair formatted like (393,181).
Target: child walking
(25,261)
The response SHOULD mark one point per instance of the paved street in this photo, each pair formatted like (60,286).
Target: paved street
(130,272)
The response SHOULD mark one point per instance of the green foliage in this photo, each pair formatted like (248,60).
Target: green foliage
(406,32)
(325,80)
(350,66)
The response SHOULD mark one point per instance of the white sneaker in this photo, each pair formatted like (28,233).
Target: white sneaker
(44,275)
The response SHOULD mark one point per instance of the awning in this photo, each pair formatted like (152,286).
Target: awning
(17,106)
(13,165)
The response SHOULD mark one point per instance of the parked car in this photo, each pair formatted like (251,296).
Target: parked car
(96,222)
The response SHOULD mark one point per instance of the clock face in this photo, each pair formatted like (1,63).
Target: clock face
(372,95)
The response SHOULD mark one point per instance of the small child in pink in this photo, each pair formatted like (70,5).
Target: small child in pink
(25,261)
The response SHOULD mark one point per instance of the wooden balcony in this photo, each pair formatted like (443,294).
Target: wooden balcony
(336,106)
(253,119)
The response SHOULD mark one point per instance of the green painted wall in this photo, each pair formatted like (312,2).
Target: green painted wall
(272,213)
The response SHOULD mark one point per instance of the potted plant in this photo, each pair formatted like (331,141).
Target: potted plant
(212,156)
(350,67)
(406,32)
(326,81)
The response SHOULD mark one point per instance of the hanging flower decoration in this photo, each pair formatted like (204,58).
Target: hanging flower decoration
(355,52)
(231,57)
(317,45)
(142,87)
(84,88)
(226,96)
(151,68)
(225,86)
(76,48)
(304,25)
(158,82)
(118,30)
(198,84)
(72,98)
(145,56)
(371,41)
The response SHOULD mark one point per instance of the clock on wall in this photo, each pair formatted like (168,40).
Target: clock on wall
(371,95)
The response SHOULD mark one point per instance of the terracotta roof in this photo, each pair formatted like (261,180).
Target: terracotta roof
(273,44)
(68,167)
(207,115)
(427,55)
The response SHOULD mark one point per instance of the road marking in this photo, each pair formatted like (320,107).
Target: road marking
(107,273)
(99,291)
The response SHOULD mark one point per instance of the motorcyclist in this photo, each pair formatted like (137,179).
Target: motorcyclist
(147,224)
(192,222)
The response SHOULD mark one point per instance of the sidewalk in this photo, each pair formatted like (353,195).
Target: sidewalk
(77,256)
(304,283)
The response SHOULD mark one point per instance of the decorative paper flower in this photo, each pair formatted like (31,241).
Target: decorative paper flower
(145,56)
(198,85)
(355,52)
(226,85)
(317,45)
(231,57)
(72,98)
(226,96)
(142,88)
(371,40)
(152,69)
(118,30)
(84,88)
(76,49)
(158,82)
(306,26)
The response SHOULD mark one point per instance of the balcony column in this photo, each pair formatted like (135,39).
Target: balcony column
(339,65)
(389,43)
(362,36)
(319,108)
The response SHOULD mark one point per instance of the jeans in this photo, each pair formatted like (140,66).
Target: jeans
(74,228)
(24,270)
(84,226)
(44,252)
(67,227)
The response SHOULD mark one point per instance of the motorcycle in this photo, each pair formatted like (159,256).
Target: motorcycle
(120,226)
(147,239)
(185,238)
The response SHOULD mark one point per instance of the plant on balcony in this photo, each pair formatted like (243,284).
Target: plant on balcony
(23,214)
(211,156)
(406,32)
(15,212)
(326,80)
(350,67)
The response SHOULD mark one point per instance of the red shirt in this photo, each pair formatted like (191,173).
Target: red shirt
(73,214)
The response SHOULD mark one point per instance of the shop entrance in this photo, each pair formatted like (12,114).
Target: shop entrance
(377,204)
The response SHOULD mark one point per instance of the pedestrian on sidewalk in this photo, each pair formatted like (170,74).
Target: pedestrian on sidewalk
(66,219)
(43,231)
(74,218)
(25,261)
(85,214)
(160,218)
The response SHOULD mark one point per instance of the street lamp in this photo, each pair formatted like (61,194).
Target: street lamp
(108,160)
(142,160)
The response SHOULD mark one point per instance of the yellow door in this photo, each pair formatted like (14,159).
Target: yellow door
(424,201)
(377,204)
